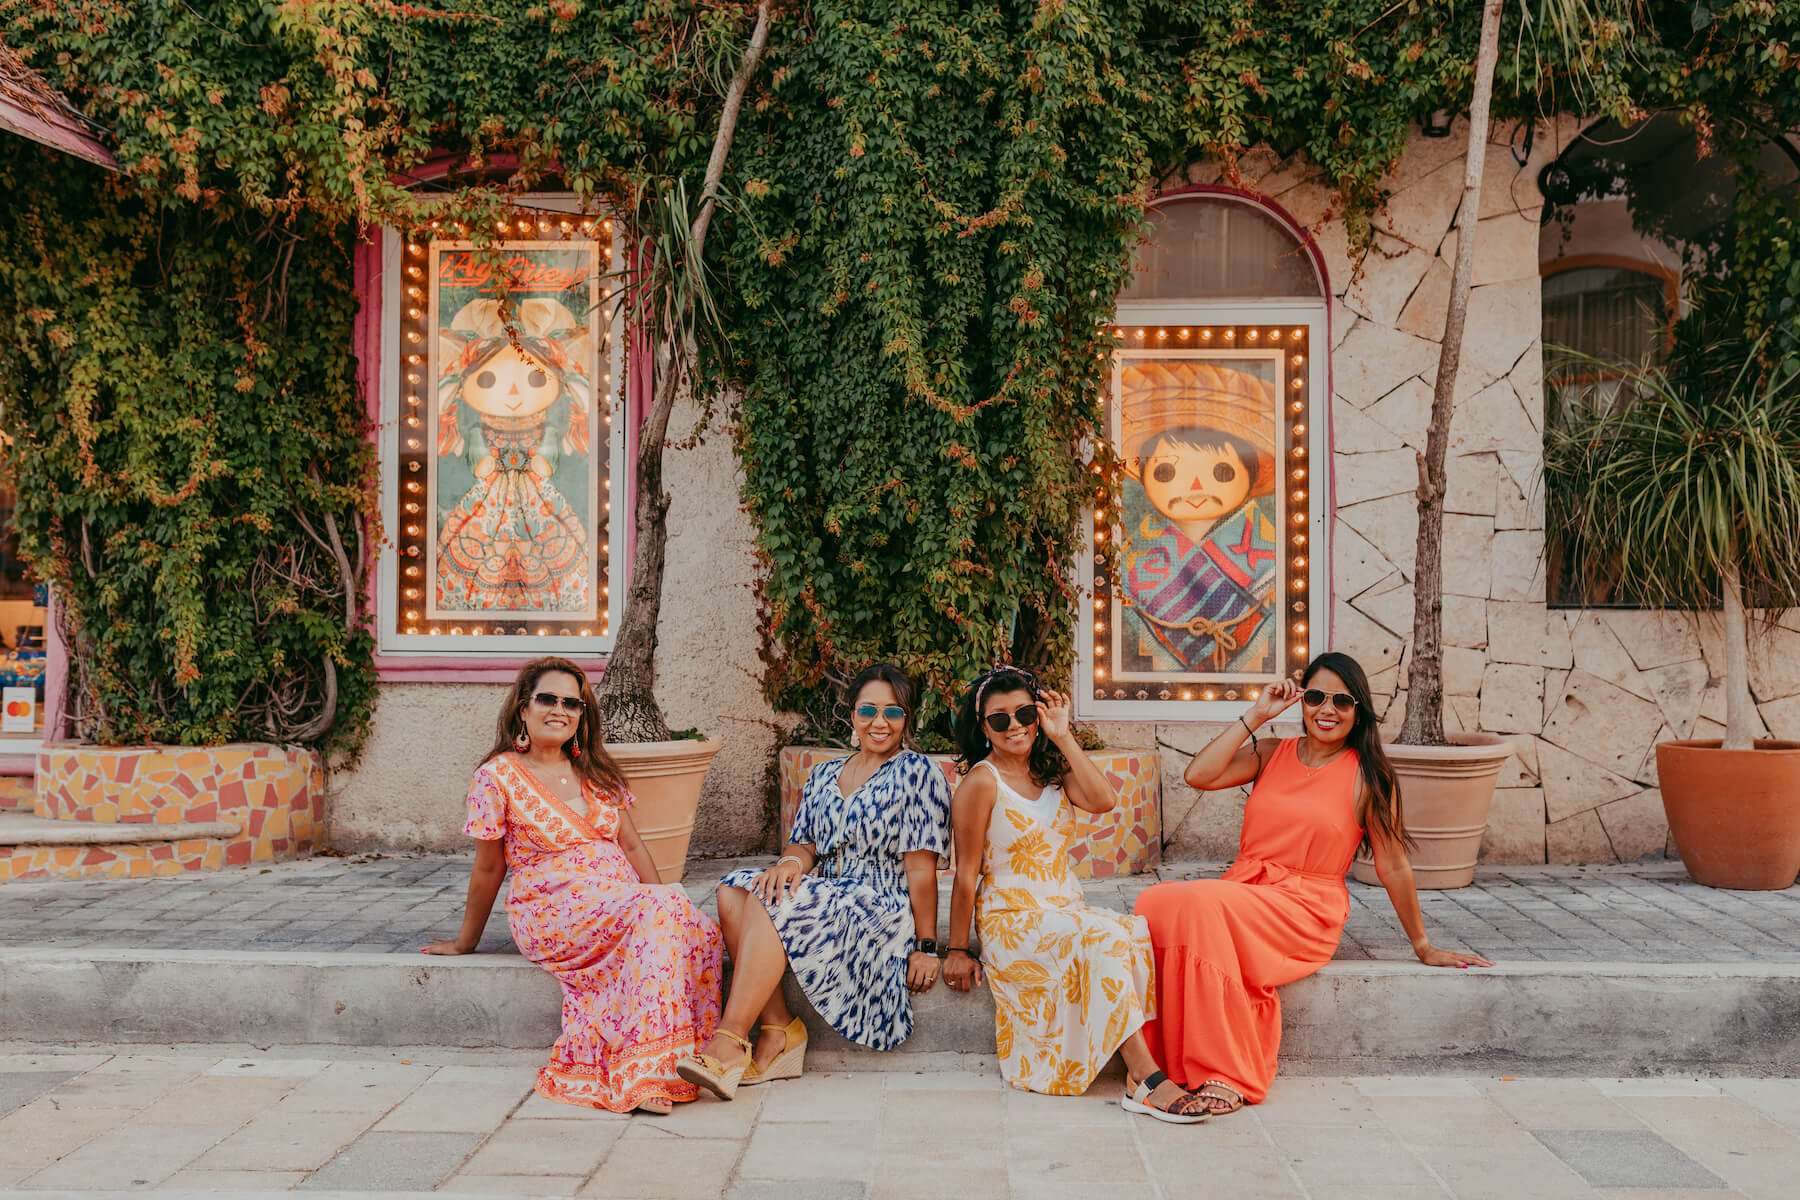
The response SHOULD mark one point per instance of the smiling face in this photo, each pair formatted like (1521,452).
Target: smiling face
(1190,481)
(879,734)
(1015,739)
(512,383)
(1327,723)
(552,724)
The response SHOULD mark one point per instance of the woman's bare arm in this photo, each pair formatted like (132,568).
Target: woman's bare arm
(485,878)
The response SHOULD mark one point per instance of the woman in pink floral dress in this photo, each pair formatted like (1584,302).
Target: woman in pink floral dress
(638,963)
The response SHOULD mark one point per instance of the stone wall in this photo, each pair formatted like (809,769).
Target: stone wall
(407,790)
(1583,695)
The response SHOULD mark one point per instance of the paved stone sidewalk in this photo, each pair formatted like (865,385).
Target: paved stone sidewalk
(1638,914)
(463,1123)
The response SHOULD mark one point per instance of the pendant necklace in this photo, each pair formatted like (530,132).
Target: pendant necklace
(1311,770)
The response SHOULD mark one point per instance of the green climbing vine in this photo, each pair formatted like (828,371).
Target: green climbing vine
(186,441)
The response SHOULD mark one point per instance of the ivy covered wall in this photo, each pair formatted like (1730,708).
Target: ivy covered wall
(931,205)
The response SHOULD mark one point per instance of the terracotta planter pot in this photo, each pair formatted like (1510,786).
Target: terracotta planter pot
(1125,841)
(1735,814)
(665,777)
(1445,792)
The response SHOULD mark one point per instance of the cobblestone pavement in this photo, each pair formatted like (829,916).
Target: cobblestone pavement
(405,1123)
(1646,914)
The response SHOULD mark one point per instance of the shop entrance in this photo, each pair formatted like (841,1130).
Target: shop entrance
(24,609)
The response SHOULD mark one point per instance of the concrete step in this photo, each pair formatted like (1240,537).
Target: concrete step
(1372,1017)
(19,829)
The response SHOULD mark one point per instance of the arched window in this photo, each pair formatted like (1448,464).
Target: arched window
(1631,210)
(1211,248)
(1219,531)
(1601,309)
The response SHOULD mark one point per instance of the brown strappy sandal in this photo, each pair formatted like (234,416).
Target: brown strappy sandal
(1187,1109)
(1217,1089)
(703,1070)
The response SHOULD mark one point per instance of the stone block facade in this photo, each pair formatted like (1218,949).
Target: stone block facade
(1584,695)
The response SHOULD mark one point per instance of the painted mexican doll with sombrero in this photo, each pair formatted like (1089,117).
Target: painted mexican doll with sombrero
(512,445)
(1198,556)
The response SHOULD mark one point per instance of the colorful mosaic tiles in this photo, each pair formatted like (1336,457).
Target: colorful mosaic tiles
(276,794)
(1125,841)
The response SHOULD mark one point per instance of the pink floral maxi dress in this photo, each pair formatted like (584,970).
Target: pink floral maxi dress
(638,963)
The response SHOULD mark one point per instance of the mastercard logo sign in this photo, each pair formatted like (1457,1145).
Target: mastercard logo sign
(18,708)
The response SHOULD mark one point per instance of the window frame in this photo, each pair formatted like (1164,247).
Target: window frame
(1555,551)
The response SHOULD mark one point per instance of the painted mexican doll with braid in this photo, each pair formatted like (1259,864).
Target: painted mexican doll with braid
(512,445)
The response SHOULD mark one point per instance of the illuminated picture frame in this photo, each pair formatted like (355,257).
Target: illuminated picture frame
(501,435)
(1220,538)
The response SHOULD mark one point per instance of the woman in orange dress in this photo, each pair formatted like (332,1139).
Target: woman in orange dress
(1222,946)
(638,963)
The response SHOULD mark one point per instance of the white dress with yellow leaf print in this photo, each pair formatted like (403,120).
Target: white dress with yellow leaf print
(1070,982)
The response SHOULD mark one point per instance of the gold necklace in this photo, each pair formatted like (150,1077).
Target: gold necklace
(1312,770)
(565,780)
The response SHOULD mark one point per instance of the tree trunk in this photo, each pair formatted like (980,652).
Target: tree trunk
(1424,723)
(1740,720)
(626,693)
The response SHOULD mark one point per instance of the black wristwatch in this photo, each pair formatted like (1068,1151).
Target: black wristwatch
(925,946)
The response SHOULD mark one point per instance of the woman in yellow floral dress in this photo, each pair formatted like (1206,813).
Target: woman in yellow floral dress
(1071,984)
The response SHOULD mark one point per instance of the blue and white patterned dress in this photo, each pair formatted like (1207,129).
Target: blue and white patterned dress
(848,926)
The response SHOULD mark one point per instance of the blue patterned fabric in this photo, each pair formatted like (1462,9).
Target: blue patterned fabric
(848,926)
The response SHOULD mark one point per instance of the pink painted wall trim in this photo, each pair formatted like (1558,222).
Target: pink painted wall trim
(1322,406)
(449,668)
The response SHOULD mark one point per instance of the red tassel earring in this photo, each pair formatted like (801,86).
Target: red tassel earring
(522,742)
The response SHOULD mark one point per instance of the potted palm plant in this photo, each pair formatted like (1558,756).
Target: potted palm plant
(668,295)
(1690,487)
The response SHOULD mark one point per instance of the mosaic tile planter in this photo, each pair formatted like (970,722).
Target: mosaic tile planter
(1125,841)
(274,794)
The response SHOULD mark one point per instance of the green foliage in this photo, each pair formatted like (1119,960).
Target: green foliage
(187,443)
(1698,476)
(940,207)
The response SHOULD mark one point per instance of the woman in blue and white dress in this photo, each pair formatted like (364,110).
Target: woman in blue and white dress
(850,906)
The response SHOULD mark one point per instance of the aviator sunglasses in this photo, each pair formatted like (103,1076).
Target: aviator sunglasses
(1025,714)
(1342,701)
(892,712)
(549,700)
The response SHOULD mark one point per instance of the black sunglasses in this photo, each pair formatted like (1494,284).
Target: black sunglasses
(1342,701)
(892,712)
(551,700)
(1025,714)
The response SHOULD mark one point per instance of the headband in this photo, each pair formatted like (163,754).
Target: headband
(987,677)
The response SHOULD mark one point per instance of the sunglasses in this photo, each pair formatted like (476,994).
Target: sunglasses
(1025,714)
(892,712)
(1313,697)
(549,700)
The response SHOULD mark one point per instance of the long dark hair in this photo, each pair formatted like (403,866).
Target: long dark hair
(894,677)
(593,764)
(1379,807)
(1046,763)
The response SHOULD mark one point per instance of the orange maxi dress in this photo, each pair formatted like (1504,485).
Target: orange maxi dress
(1222,946)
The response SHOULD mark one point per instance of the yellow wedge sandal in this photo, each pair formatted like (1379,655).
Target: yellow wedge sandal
(786,1065)
(703,1070)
